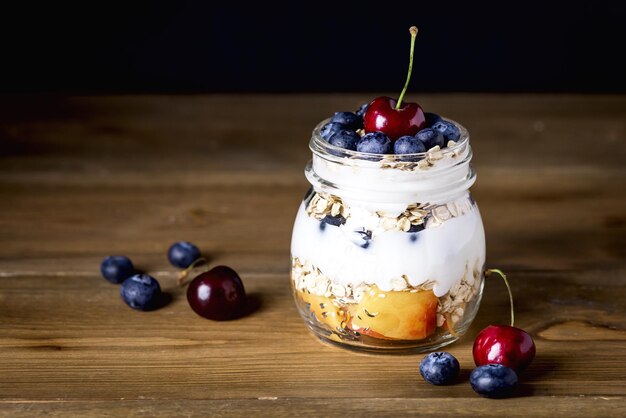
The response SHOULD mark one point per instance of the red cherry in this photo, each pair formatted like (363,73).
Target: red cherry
(382,116)
(503,344)
(217,294)
(394,118)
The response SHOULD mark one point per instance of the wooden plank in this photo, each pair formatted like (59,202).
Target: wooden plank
(84,177)
(75,339)
(535,406)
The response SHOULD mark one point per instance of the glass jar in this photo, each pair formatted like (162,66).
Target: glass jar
(388,251)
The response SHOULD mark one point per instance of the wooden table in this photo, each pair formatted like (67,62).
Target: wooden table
(84,177)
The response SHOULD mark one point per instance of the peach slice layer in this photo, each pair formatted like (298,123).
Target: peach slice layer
(325,311)
(395,315)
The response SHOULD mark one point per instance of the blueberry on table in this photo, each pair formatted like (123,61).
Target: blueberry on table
(345,139)
(374,143)
(141,292)
(408,145)
(430,138)
(330,129)
(493,380)
(440,368)
(182,254)
(347,119)
(449,130)
(431,119)
(116,268)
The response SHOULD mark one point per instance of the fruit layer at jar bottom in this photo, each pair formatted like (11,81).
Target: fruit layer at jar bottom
(414,313)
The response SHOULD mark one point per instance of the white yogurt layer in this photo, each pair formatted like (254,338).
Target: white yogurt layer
(444,254)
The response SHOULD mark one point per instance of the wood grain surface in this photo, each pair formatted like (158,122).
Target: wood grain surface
(85,177)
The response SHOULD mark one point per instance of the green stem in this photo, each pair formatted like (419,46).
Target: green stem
(413,31)
(183,274)
(488,273)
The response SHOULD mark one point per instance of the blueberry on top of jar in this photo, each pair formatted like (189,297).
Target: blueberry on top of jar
(347,119)
(330,129)
(449,130)
(431,118)
(374,143)
(431,138)
(408,145)
(344,139)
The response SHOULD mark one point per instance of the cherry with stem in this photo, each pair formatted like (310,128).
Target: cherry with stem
(396,118)
(504,344)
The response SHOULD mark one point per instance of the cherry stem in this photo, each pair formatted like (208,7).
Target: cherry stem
(488,273)
(413,31)
(183,274)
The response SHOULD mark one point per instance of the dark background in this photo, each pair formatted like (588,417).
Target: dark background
(187,46)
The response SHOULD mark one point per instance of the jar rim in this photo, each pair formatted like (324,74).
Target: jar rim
(326,150)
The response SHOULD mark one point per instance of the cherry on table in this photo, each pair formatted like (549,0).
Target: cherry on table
(503,344)
(217,294)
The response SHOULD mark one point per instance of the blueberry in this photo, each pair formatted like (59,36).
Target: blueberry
(347,119)
(493,380)
(361,237)
(374,143)
(345,139)
(116,268)
(416,228)
(408,145)
(449,130)
(330,129)
(332,220)
(365,235)
(430,138)
(440,368)
(431,119)
(141,292)
(182,254)
(362,110)
(413,237)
